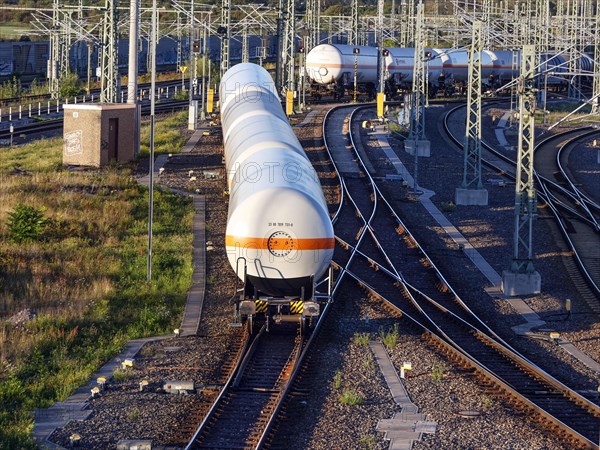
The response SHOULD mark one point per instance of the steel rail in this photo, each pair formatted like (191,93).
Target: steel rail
(211,412)
(450,348)
(494,339)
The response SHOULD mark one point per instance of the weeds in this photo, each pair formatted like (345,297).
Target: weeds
(437,371)
(350,398)
(211,279)
(134,414)
(337,380)
(390,338)
(361,339)
(25,223)
(367,442)
(487,401)
(448,206)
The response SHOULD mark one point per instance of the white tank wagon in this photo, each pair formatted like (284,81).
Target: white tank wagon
(334,64)
(455,64)
(279,236)
(400,64)
(328,63)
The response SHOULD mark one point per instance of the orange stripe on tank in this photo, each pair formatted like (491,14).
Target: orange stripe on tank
(280,244)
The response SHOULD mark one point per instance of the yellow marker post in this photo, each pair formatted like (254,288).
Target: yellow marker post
(289,103)
(406,365)
(380,100)
(183,68)
(210,100)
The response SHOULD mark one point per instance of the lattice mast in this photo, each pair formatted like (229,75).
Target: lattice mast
(525,193)
(596,84)
(417,125)
(309,18)
(353,32)
(245,53)
(573,39)
(542,28)
(54,59)
(472,143)
(225,31)
(288,51)
(109,68)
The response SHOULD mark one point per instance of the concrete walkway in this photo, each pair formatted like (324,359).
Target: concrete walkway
(75,407)
(195,297)
(407,425)
(532,320)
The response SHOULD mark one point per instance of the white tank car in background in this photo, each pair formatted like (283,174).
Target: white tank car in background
(334,63)
(279,236)
(329,63)
(455,64)
(400,64)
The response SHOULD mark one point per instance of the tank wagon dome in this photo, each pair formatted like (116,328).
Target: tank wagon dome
(278,223)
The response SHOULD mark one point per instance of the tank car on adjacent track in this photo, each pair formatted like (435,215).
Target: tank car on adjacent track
(336,64)
(279,236)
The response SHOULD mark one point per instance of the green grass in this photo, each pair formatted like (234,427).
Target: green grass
(168,135)
(437,371)
(337,380)
(350,398)
(11,31)
(85,275)
(390,337)
(361,339)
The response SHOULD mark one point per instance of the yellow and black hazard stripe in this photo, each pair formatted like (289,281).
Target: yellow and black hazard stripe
(261,306)
(296,307)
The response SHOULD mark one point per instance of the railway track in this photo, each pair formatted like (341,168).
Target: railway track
(54,125)
(385,259)
(576,214)
(246,404)
(26,99)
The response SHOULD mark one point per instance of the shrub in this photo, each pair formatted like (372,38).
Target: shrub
(350,398)
(448,206)
(25,223)
(11,88)
(70,85)
(121,374)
